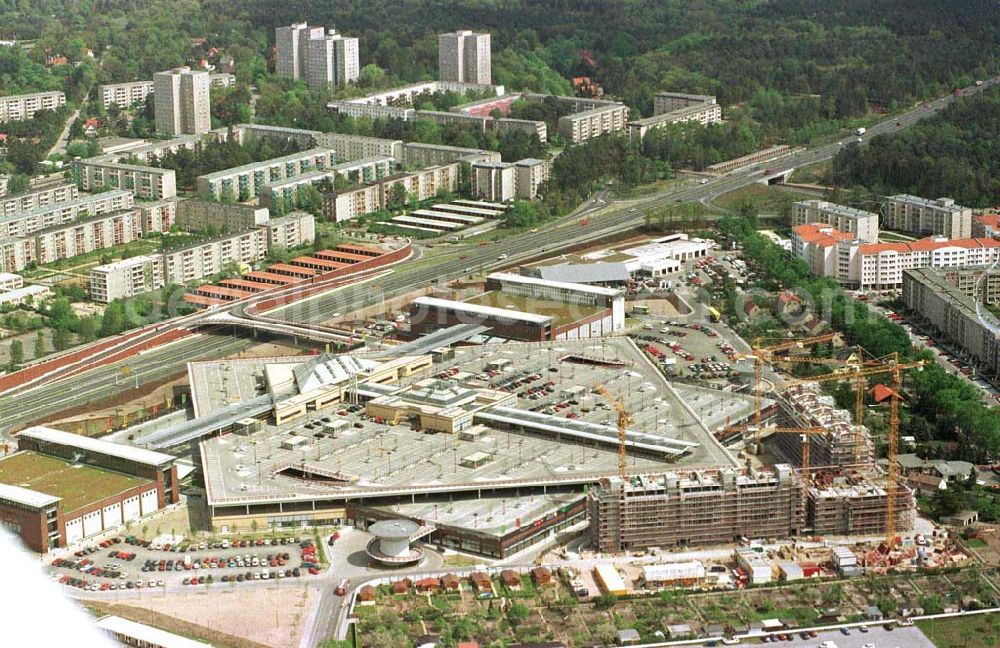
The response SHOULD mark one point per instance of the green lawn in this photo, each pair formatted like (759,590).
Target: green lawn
(761,198)
(971,631)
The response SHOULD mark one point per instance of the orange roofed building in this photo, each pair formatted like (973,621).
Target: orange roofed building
(839,255)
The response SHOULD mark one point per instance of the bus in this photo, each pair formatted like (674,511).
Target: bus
(713,314)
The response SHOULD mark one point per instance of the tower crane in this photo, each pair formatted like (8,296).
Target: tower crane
(891,365)
(624,420)
(766,354)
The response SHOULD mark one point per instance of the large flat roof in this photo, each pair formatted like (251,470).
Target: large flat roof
(557,311)
(565,285)
(77,485)
(144,633)
(26,496)
(120,450)
(483,309)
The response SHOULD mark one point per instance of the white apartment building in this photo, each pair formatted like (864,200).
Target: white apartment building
(149,183)
(10,281)
(34,220)
(289,231)
(21,107)
(864,225)
(594,122)
(494,181)
(425,183)
(182,101)
(464,56)
(833,253)
(704,113)
(531,174)
(356,147)
(940,217)
(83,236)
(248,181)
(665,102)
(124,95)
(200,260)
(18,203)
(292,49)
(33,293)
(16,253)
(126,278)
(333,60)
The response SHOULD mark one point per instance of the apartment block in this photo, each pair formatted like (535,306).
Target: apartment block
(864,225)
(531,174)
(124,95)
(149,183)
(182,101)
(36,198)
(4,183)
(333,60)
(529,126)
(418,155)
(126,278)
(355,172)
(200,215)
(292,49)
(200,260)
(34,220)
(247,181)
(157,216)
(707,112)
(87,235)
(278,134)
(833,253)
(22,107)
(494,181)
(357,147)
(954,310)
(941,217)
(425,183)
(16,253)
(842,443)
(694,508)
(33,294)
(666,102)
(464,56)
(371,111)
(594,122)
(289,231)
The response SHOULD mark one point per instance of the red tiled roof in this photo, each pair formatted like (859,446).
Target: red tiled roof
(990,220)
(881,393)
(822,235)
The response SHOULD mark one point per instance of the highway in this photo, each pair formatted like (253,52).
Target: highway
(106,381)
(605,220)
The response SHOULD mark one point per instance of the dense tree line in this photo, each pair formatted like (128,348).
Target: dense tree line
(956,154)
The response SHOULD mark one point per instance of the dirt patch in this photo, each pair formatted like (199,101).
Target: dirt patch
(258,616)
(669,306)
(170,624)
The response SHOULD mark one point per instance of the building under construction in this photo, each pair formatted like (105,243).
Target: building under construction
(694,508)
(805,405)
(855,505)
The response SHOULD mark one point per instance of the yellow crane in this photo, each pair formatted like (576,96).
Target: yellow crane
(624,420)
(768,354)
(857,373)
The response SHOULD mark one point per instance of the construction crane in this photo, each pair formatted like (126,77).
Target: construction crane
(889,364)
(624,420)
(766,354)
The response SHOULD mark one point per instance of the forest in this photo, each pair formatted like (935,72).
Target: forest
(954,154)
(791,64)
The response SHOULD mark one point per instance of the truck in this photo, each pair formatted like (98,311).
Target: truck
(342,587)
(860,131)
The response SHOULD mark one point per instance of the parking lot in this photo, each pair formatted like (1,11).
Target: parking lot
(126,562)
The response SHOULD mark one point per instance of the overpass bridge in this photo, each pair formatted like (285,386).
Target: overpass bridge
(295,330)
